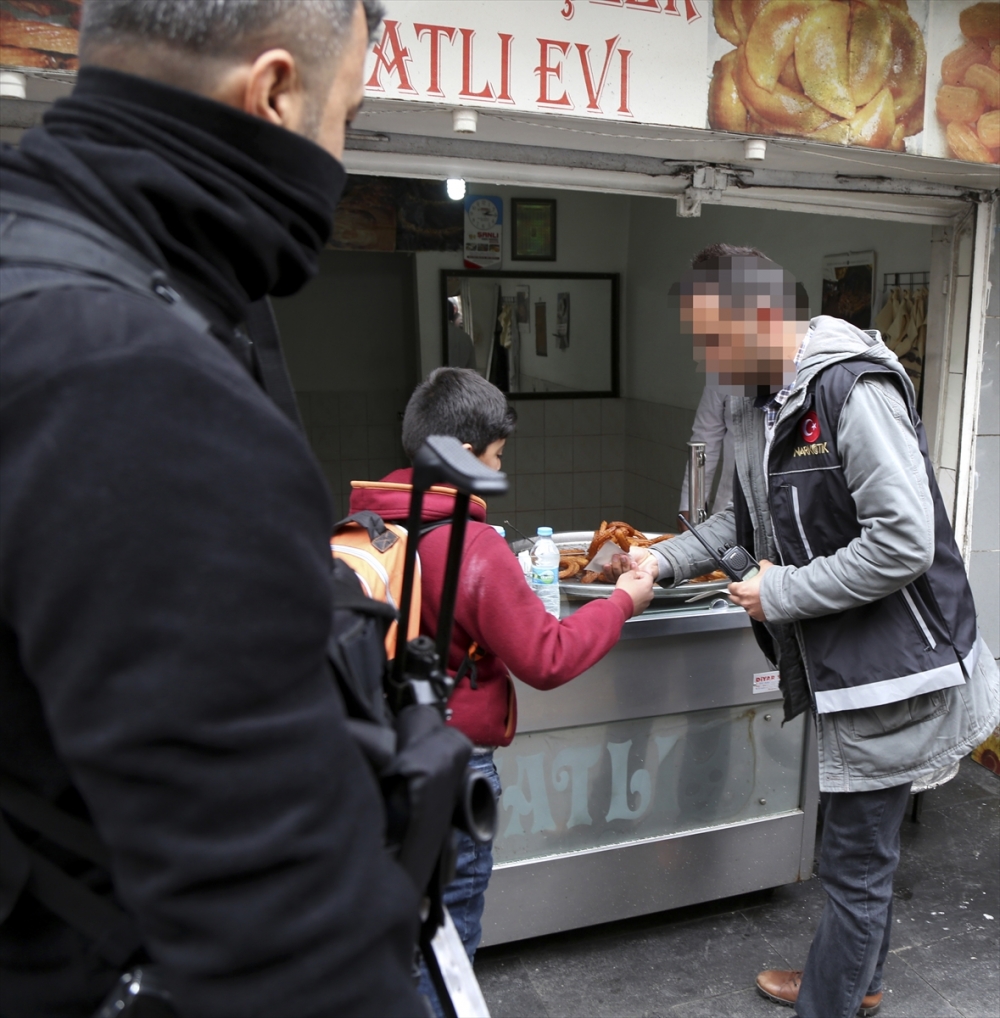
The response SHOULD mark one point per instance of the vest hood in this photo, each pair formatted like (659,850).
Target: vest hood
(832,340)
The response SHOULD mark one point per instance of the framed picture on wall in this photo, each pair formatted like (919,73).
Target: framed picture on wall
(849,287)
(533,229)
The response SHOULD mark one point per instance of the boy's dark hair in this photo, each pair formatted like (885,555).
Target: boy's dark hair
(457,402)
(744,273)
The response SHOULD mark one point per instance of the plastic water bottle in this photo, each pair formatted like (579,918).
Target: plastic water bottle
(545,570)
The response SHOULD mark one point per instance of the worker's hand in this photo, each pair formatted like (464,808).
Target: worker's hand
(639,586)
(747,593)
(637,558)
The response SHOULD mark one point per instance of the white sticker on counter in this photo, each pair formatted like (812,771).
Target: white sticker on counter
(765,682)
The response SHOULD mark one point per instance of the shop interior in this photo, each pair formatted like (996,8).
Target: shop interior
(377,321)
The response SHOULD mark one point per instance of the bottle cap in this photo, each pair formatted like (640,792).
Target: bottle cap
(544,531)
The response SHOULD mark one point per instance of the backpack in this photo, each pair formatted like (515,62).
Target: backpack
(375,550)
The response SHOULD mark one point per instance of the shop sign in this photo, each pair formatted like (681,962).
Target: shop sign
(916,75)
(483,231)
(910,75)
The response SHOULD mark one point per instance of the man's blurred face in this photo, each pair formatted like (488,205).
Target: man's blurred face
(742,341)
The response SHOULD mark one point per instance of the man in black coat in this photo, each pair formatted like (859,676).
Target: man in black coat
(164,559)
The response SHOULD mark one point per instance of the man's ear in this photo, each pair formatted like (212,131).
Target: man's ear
(270,88)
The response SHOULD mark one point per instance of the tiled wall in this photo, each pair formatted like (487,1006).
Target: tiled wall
(656,457)
(355,435)
(571,462)
(566,463)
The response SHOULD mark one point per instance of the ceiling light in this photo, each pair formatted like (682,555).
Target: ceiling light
(754,148)
(456,188)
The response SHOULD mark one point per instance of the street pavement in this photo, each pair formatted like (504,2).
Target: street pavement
(944,960)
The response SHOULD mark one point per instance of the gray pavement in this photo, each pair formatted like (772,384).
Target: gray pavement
(944,961)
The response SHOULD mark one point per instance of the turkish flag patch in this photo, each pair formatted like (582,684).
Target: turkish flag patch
(809,426)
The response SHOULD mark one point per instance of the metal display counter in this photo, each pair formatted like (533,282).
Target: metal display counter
(659,778)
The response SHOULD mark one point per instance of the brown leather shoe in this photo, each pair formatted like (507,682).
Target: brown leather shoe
(782,986)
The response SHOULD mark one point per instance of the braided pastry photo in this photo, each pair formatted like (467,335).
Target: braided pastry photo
(968,101)
(849,72)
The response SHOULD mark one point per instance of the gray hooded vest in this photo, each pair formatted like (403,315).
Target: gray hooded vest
(917,640)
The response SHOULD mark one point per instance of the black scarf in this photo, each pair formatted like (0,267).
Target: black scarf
(238,206)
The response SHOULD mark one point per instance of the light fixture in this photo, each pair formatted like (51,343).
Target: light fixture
(465,121)
(13,85)
(456,188)
(754,148)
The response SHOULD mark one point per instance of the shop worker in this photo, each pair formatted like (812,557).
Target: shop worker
(164,541)
(498,617)
(861,600)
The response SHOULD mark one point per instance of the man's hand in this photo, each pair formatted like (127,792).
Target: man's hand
(747,593)
(640,559)
(639,586)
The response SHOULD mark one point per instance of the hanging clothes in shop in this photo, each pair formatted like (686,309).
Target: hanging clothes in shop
(500,372)
(903,324)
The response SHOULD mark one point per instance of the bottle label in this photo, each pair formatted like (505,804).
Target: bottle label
(540,575)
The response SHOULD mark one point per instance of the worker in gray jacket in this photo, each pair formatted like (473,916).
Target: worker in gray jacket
(861,599)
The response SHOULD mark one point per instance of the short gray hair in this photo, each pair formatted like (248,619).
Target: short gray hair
(313,30)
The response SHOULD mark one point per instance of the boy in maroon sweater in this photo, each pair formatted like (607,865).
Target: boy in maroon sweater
(495,608)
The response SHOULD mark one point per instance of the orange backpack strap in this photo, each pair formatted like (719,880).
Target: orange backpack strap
(468,666)
(375,550)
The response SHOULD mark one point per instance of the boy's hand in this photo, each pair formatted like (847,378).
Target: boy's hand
(639,586)
(641,559)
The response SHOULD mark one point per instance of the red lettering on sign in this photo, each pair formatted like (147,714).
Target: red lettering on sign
(505,45)
(393,56)
(436,32)
(646,5)
(625,56)
(691,13)
(544,69)
(468,34)
(594,94)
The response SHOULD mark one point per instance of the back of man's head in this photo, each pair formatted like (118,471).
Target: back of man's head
(190,43)
(457,402)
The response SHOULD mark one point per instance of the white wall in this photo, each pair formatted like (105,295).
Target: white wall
(658,358)
(591,236)
(984,560)
(662,386)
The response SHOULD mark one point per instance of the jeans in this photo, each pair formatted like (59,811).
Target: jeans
(859,853)
(465,896)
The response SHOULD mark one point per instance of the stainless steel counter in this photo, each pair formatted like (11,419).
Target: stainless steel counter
(659,778)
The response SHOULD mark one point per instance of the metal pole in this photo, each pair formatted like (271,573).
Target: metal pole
(696,482)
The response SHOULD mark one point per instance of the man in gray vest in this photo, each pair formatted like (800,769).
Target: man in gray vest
(861,599)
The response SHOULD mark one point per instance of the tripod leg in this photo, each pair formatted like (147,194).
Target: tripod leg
(451,973)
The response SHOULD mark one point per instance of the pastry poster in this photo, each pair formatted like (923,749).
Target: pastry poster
(829,71)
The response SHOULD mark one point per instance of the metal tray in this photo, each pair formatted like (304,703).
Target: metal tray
(591,591)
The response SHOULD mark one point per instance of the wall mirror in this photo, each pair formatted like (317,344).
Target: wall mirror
(535,335)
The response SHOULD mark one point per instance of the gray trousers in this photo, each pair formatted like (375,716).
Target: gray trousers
(859,853)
